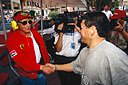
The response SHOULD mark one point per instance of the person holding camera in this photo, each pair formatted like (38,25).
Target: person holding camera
(119,35)
(67,44)
(122,31)
(28,51)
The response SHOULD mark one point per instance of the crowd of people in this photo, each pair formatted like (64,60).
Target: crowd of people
(100,61)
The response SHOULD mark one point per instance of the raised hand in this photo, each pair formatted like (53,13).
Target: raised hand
(60,26)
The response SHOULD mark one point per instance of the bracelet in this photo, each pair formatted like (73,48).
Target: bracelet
(121,30)
(55,67)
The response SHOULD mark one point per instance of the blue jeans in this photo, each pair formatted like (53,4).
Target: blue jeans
(41,80)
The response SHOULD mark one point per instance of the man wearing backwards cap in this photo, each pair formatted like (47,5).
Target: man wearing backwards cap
(28,51)
(120,15)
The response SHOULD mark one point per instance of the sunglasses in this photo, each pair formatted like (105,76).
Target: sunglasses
(25,22)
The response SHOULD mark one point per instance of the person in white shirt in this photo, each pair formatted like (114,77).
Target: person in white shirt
(48,35)
(67,46)
(107,11)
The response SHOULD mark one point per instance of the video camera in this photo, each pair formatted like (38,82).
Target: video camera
(118,14)
(66,18)
(46,24)
(113,24)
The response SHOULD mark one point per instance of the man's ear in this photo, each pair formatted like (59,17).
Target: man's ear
(92,30)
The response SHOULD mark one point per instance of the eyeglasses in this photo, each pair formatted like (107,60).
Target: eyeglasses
(25,22)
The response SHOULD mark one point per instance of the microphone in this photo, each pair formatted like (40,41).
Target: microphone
(35,23)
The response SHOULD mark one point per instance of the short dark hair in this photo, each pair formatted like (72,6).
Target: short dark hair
(106,5)
(99,20)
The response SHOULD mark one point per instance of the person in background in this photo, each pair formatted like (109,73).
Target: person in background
(119,35)
(27,49)
(107,11)
(67,44)
(35,21)
(48,35)
(101,62)
(94,9)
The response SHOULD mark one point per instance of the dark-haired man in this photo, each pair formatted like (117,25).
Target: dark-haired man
(101,63)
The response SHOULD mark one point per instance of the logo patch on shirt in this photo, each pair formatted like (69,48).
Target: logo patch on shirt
(21,46)
(13,53)
(85,79)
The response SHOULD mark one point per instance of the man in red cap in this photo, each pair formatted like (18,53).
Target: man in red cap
(28,51)
(120,41)
(118,14)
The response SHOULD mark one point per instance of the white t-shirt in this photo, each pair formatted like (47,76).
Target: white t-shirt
(71,44)
(108,13)
(36,48)
(49,30)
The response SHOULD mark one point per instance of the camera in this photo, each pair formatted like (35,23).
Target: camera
(113,24)
(46,24)
(66,18)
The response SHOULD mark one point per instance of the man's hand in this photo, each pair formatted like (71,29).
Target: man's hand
(60,26)
(46,69)
(119,27)
(77,28)
(52,66)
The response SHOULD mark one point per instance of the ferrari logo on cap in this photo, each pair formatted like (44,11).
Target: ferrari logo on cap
(22,46)
(24,14)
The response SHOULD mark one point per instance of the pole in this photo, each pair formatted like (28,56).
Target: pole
(100,5)
(66,6)
(3,23)
(41,18)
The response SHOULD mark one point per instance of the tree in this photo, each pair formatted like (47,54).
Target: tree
(116,3)
(98,3)
(52,14)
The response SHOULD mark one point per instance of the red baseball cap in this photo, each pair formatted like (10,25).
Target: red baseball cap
(118,14)
(21,15)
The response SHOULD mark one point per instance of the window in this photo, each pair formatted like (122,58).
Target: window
(16,5)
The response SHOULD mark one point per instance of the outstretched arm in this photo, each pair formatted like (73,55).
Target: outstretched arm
(46,69)
(63,67)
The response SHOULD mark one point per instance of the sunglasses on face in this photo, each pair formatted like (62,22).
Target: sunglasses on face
(25,22)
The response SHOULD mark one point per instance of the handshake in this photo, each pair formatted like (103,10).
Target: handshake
(48,68)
